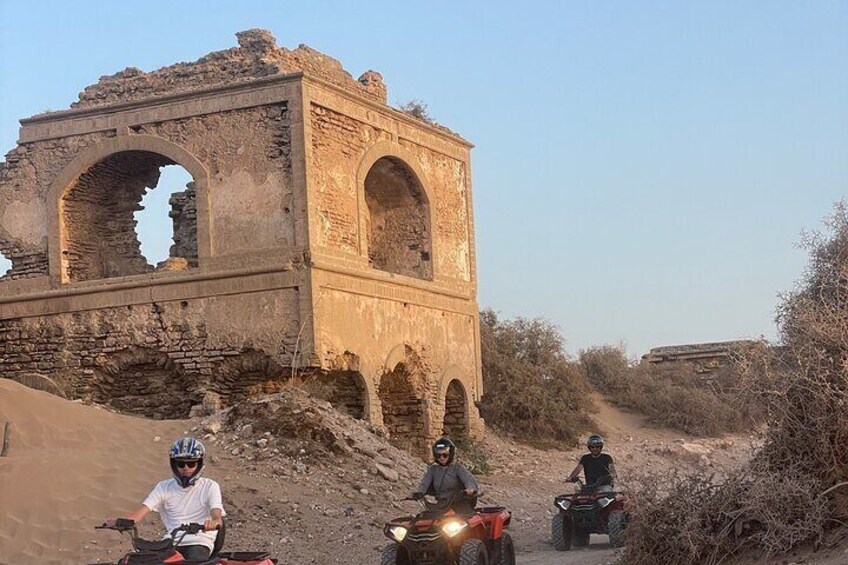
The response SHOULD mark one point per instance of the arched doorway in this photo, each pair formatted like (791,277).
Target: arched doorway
(398,227)
(100,239)
(403,410)
(455,423)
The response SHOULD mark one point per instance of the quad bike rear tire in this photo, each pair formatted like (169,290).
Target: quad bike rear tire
(473,552)
(506,553)
(616,524)
(392,555)
(581,538)
(561,528)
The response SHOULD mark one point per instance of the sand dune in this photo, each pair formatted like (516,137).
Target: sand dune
(68,467)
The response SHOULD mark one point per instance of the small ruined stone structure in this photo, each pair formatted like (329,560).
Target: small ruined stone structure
(697,358)
(325,236)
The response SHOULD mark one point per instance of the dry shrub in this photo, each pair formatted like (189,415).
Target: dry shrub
(533,390)
(788,494)
(672,397)
(683,519)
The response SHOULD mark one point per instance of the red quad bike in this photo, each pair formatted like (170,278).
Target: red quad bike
(438,535)
(586,512)
(167,551)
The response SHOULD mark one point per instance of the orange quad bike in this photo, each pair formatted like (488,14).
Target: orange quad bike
(167,551)
(439,535)
(590,510)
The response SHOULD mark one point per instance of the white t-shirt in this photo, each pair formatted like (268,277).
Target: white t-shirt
(177,506)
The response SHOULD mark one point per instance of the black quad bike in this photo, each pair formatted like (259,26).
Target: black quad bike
(438,535)
(590,510)
(167,551)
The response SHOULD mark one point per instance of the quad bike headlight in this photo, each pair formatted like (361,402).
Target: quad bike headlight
(398,532)
(564,503)
(453,527)
(604,502)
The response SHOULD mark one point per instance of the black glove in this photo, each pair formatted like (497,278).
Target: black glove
(573,479)
(417,495)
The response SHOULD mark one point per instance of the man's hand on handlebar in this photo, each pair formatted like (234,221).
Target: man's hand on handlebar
(470,492)
(213,524)
(417,495)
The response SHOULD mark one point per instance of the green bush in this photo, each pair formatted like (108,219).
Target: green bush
(533,390)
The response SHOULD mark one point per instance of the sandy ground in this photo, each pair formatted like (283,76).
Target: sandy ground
(306,500)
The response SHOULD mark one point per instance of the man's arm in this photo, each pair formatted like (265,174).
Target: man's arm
(575,472)
(611,468)
(136,515)
(215,521)
(426,481)
(468,480)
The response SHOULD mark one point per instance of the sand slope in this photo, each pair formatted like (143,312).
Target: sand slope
(68,467)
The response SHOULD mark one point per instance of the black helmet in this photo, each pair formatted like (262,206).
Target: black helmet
(187,449)
(595,441)
(444,445)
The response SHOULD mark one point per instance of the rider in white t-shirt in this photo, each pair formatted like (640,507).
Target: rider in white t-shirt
(186,498)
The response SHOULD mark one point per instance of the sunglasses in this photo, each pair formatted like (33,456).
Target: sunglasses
(189,464)
(442,455)
(595,447)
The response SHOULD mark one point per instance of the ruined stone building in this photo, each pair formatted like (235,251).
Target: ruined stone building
(325,237)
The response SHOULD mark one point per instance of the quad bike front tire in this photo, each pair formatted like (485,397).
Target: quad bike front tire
(393,556)
(616,524)
(506,550)
(473,552)
(561,529)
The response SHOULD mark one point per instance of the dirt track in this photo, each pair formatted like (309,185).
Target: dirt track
(599,552)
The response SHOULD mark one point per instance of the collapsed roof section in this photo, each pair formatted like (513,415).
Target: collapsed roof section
(257,56)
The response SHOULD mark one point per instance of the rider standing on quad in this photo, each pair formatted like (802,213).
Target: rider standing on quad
(445,479)
(596,466)
(187,498)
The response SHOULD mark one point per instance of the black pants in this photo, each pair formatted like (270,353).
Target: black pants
(194,552)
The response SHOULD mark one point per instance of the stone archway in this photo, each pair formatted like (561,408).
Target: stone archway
(143,381)
(347,391)
(249,374)
(455,422)
(403,408)
(92,202)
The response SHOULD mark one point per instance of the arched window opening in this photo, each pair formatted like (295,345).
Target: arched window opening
(99,218)
(171,202)
(403,412)
(398,229)
(5,266)
(456,415)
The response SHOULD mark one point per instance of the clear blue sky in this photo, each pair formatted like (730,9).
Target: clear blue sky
(642,170)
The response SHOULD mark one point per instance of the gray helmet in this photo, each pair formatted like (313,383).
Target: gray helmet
(595,441)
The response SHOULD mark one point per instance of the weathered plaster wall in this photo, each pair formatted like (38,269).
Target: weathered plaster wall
(434,345)
(248,155)
(25,180)
(339,144)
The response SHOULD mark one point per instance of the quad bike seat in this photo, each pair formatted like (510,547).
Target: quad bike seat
(154,545)
(244,555)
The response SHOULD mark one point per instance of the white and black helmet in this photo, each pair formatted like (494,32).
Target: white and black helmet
(187,449)
(444,445)
(595,441)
